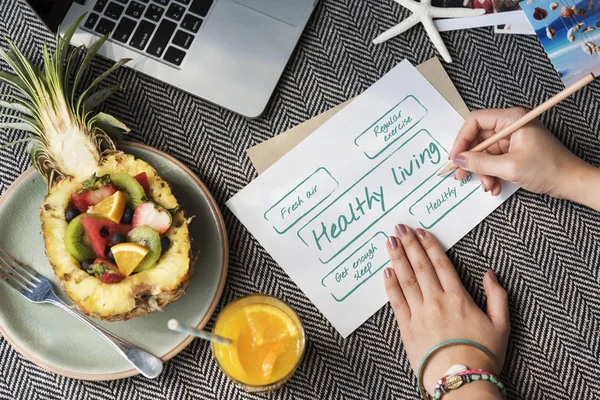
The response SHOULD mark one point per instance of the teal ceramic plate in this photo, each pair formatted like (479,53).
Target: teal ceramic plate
(56,341)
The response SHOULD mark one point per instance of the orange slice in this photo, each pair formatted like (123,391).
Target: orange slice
(275,350)
(112,207)
(269,324)
(128,256)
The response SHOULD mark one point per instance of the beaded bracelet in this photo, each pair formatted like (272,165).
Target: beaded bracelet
(440,346)
(451,382)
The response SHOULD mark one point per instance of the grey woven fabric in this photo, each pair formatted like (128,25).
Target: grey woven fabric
(545,251)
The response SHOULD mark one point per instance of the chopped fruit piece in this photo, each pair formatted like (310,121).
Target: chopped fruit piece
(127,216)
(275,350)
(71,214)
(85,264)
(118,238)
(75,240)
(142,179)
(106,271)
(165,243)
(107,265)
(261,316)
(128,256)
(112,207)
(111,278)
(127,183)
(111,256)
(148,238)
(152,215)
(94,227)
(85,199)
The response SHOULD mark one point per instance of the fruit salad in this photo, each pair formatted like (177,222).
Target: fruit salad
(115,228)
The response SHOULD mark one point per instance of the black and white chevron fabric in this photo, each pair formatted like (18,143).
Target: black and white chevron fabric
(546,251)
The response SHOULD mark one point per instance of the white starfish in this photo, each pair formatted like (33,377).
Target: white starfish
(424,12)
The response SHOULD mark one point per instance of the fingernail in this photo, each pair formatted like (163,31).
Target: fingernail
(460,161)
(493,275)
(393,242)
(420,233)
(388,273)
(401,230)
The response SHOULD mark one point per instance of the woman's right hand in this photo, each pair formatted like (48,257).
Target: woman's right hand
(531,157)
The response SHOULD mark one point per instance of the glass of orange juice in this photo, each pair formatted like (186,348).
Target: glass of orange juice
(268,342)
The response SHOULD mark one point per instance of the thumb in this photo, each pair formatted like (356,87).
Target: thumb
(497,300)
(484,163)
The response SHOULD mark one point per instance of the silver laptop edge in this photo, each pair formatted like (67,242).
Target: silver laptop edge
(236,58)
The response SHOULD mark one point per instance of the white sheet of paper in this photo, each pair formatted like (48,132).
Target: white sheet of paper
(453,24)
(325,209)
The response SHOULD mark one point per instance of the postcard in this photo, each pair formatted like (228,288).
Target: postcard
(569,32)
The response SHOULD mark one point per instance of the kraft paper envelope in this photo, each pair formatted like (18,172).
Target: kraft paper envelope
(264,154)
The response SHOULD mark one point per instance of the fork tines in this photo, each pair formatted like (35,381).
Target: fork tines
(17,274)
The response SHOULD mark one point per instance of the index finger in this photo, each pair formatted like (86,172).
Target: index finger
(471,129)
(483,121)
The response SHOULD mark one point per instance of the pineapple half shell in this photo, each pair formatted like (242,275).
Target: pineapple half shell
(68,142)
(137,294)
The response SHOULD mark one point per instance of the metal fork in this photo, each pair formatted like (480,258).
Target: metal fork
(37,289)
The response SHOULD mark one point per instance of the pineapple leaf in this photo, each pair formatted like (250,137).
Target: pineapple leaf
(23,126)
(16,106)
(62,46)
(65,138)
(97,98)
(15,81)
(89,55)
(19,104)
(109,125)
(27,139)
(22,67)
(73,56)
(99,79)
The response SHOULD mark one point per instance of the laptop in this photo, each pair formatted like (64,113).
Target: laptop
(229,52)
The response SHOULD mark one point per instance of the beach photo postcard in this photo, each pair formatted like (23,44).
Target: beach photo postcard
(517,27)
(569,31)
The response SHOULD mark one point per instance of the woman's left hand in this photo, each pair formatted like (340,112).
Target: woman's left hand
(432,306)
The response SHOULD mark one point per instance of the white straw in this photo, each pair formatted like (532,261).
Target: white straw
(176,326)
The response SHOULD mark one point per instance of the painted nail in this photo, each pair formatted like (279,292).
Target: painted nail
(420,233)
(401,230)
(493,275)
(388,273)
(460,161)
(393,242)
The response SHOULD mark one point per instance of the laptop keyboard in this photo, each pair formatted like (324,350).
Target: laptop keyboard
(161,29)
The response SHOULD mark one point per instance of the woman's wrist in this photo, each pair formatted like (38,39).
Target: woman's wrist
(440,362)
(582,185)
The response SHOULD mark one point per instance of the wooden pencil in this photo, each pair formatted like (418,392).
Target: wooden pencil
(551,102)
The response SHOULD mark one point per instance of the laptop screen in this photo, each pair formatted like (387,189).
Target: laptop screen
(51,12)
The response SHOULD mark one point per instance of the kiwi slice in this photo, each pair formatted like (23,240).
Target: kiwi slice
(76,241)
(150,239)
(127,183)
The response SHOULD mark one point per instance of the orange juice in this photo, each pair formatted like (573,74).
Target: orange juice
(268,342)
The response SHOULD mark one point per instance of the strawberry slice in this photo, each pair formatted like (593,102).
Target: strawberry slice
(152,215)
(111,278)
(106,271)
(142,179)
(87,198)
(100,233)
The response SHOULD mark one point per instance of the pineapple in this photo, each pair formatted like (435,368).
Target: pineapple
(68,144)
